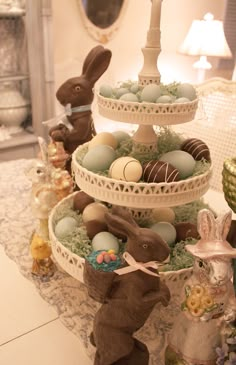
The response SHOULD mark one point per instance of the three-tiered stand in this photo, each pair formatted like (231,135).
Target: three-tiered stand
(140,198)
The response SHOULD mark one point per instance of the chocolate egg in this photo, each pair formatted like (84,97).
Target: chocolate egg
(159,171)
(186,230)
(197,148)
(182,161)
(94,227)
(81,200)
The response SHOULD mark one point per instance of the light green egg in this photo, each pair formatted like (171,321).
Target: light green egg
(121,136)
(187,91)
(121,91)
(166,230)
(105,241)
(65,226)
(182,161)
(181,100)
(129,97)
(106,90)
(134,88)
(99,158)
(165,99)
(150,93)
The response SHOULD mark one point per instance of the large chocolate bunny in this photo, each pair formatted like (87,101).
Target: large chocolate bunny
(131,298)
(78,92)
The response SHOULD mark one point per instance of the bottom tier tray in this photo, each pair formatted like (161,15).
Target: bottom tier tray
(73,264)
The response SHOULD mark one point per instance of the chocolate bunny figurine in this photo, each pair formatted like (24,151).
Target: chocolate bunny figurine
(132,296)
(77,93)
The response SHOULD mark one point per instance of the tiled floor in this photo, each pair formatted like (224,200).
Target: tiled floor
(30,331)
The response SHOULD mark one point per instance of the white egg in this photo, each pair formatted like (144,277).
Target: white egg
(166,230)
(181,100)
(94,211)
(165,99)
(126,169)
(106,90)
(105,241)
(65,226)
(99,158)
(181,160)
(150,93)
(187,91)
(103,138)
(129,97)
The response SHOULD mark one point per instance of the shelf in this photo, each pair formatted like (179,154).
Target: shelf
(13,78)
(19,139)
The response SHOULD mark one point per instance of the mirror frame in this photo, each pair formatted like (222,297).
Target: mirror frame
(106,34)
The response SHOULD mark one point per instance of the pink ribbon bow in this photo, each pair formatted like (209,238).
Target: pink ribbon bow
(134,265)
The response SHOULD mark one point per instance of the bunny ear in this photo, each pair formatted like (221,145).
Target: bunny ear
(206,224)
(223,225)
(96,63)
(43,149)
(125,214)
(121,227)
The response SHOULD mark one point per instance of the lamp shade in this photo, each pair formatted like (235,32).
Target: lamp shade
(206,38)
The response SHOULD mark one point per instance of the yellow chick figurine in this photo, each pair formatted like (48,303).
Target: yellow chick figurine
(40,250)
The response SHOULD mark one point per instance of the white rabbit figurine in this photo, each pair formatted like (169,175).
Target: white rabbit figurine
(208,298)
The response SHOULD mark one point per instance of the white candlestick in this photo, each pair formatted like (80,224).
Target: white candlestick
(155,14)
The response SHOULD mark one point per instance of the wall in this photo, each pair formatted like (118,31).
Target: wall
(72,43)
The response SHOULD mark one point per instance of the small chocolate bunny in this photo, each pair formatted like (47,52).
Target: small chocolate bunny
(78,93)
(132,296)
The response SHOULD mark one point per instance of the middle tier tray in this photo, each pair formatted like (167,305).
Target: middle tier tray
(139,195)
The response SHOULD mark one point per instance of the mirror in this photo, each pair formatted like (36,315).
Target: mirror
(102,18)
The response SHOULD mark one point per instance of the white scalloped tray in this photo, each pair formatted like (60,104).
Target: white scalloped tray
(139,195)
(74,264)
(147,113)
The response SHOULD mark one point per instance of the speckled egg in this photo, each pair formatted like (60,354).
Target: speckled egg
(106,90)
(182,161)
(186,90)
(65,226)
(166,231)
(81,200)
(105,241)
(103,138)
(120,136)
(150,93)
(165,99)
(134,88)
(181,100)
(129,97)
(99,158)
(126,169)
(94,211)
(163,214)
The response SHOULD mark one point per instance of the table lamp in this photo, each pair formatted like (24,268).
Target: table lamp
(205,38)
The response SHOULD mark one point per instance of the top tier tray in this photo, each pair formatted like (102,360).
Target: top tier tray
(147,113)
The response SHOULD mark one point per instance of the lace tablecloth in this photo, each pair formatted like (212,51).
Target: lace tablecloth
(75,309)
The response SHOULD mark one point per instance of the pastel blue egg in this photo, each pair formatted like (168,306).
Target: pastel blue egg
(65,226)
(187,91)
(121,136)
(181,160)
(129,97)
(165,99)
(134,88)
(182,100)
(150,93)
(105,241)
(99,158)
(121,91)
(166,230)
(106,90)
